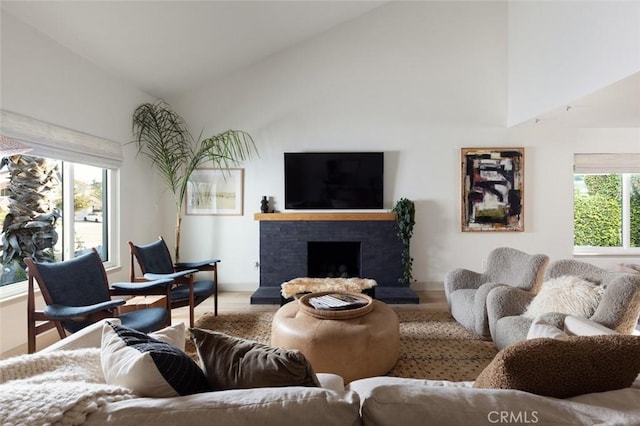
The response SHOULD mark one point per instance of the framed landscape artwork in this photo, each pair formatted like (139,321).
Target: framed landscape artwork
(215,192)
(492,189)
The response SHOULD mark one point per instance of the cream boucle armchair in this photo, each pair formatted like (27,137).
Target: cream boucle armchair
(618,308)
(466,291)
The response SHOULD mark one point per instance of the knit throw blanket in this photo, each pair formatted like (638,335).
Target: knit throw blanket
(56,388)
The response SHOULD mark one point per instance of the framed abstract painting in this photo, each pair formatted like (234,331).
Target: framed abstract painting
(492,189)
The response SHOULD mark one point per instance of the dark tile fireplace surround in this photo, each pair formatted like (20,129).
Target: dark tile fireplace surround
(327,244)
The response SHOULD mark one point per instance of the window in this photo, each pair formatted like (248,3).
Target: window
(77,202)
(607,204)
(65,208)
(90,210)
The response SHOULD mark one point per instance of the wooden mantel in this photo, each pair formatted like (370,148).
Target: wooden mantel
(346,216)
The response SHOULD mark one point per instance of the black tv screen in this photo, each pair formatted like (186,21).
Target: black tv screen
(333,180)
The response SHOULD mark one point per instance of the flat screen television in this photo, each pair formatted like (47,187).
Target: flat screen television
(333,180)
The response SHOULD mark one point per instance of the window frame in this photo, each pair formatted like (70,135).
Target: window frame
(68,233)
(110,220)
(68,145)
(616,164)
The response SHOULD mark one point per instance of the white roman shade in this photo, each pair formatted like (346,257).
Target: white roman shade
(606,163)
(9,147)
(60,143)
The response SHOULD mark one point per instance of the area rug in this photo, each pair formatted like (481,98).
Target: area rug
(432,344)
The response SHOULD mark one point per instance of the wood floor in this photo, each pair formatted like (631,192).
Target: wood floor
(239,301)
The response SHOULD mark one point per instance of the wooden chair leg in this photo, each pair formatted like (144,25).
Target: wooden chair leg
(215,301)
(215,293)
(31,338)
(31,321)
(191,301)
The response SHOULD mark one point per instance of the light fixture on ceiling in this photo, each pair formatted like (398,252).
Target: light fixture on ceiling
(9,147)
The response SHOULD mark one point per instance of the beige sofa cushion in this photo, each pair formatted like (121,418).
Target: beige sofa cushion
(564,368)
(578,326)
(91,336)
(399,401)
(391,402)
(88,337)
(305,406)
(541,328)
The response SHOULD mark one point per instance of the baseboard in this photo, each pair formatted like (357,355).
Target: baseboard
(427,286)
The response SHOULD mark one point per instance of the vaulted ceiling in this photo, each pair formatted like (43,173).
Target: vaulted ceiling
(167,48)
(170,47)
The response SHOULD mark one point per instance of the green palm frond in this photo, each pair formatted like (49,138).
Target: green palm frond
(163,137)
(229,148)
(224,150)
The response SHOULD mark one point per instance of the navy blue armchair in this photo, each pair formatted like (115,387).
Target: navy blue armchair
(155,262)
(77,293)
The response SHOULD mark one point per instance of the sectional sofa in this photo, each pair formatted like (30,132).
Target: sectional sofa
(371,401)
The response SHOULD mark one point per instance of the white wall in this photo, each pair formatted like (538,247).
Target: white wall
(560,51)
(43,80)
(418,80)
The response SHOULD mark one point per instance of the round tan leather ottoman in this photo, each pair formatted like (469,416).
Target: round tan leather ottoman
(355,348)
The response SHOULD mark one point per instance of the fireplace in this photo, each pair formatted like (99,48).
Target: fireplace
(333,259)
(367,243)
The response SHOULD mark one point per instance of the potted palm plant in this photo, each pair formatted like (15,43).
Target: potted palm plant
(162,136)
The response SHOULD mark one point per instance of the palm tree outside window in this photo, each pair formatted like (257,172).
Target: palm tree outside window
(39,221)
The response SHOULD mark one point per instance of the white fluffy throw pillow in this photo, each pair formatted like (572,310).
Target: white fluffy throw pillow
(568,295)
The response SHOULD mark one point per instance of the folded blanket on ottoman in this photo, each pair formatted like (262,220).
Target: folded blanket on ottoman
(314,285)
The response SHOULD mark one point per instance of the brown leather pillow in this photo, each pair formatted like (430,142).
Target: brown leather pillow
(234,363)
(565,368)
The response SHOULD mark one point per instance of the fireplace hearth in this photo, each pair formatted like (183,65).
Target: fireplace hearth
(362,245)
